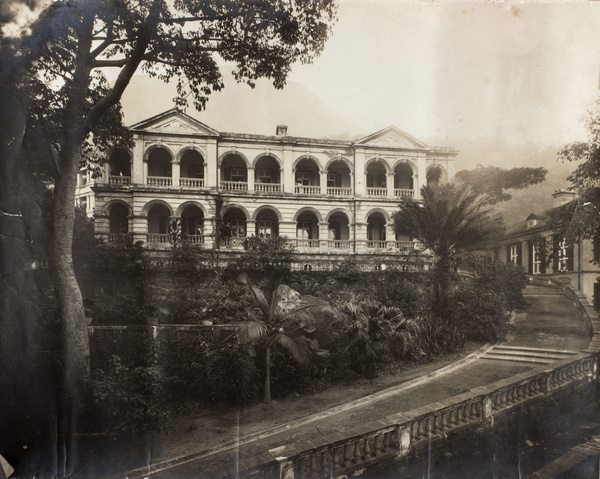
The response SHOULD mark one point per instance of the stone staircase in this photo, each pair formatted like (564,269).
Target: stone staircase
(526,355)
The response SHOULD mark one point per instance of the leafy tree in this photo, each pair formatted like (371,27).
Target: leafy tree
(450,220)
(271,255)
(64,111)
(493,182)
(581,218)
(275,328)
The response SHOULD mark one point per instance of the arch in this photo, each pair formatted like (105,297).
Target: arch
(118,218)
(406,161)
(262,208)
(158,215)
(376,228)
(267,169)
(267,222)
(266,154)
(404,176)
(381,211)
(187,149)
(307,227)
(192,219)
(183,206)
(232,153)
(342,159)
(308,209)
(314,159)
(146,208)
(192,164)
(235,222)
(227,208)
(108,207)
(378,159)
(339,211)
(339,227)
(119,162)
(160,162)
(157,146)
(436,173)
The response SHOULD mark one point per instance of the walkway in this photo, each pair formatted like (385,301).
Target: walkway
(546,328)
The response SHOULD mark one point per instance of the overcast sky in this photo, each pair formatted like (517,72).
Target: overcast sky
(462,70)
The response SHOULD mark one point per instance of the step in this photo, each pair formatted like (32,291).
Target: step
(516,359)
(507,355)
(536,350)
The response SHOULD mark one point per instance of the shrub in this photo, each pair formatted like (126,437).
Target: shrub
(438,336)
(128,399)
(231,374)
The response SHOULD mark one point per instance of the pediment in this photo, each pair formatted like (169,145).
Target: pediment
(174,122)
(392,137)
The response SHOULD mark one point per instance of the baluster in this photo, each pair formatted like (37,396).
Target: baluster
(305,467)
(422,430)
(388,442)
(326,461)
(377,446)
(444,420)
(462,413)
(315,464)
(337,457)
(348,454)
(452,417)
(367,448)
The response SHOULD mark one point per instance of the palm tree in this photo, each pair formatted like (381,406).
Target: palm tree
(275,328)
(449,220)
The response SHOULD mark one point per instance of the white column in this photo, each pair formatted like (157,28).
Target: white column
(359,173)
(175,173)
(287,178)
(390,185)
(250,178)
(138,170)
(323,180)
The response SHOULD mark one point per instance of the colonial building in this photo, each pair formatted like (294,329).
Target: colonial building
(328,197)
(533,244)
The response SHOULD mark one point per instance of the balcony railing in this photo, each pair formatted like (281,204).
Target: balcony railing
(119,237)
(233,242)
(307,190)
(234,185)
(160,181)
(377,244)
(339,244)
(119,180)
(158,238)
(337,191)
(378,192)
(193,239)
(403,193)
(267,187)
(302,243)
(191,182)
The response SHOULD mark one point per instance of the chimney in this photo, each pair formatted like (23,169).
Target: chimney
(281,130)
(562,197)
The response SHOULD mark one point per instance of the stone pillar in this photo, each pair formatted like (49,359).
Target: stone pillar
(212,165)
(250,173)
(288,228)
(421,180)
(323,235)
(140,229)
(359,173)
(145,173)
(403,440)
(360,235)
(139,168)
(175,173)
(390,185)
(250,228)
(287,178)
(323,180)
(210,232)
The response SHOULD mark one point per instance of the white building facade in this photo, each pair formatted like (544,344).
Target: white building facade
(328,197)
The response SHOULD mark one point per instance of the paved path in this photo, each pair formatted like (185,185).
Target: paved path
(547,326)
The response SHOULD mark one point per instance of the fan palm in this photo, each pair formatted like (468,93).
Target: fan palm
(274,327)
(449,220)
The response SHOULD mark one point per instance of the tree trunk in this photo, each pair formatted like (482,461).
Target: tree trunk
(268,375)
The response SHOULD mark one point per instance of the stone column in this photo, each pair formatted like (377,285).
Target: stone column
(145,173)
(390,185)
(323,235)
(139,168)
(287,174)
(175,173)
(323,180)
(359,172)
(250,178)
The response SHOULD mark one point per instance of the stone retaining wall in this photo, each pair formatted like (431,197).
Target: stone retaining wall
(395,436)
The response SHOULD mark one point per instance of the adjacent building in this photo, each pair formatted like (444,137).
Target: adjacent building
(328,197)
(541,250)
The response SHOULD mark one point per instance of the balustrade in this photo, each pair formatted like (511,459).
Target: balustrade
(159,181)
(191,182)
(234,185)
(339,244)
(307,190)
(378,192)
(193,239)
(158,238)
(337,191)
(403,193)
(119,180)
(307,243)
(267,187)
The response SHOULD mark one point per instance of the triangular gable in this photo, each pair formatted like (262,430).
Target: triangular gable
(392,137)
(173,121)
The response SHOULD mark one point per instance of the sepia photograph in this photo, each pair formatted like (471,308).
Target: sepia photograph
(297,239)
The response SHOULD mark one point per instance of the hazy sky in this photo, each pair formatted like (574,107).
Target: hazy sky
(462,70)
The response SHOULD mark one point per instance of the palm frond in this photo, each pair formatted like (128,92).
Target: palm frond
(253,331)
(300,348)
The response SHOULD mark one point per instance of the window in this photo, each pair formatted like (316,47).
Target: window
(303,230)
(264,228)
(303,178)
(199,223)
(331,180)
(537,260)
(264,176)
(563,255)
(531,223)
(237,228)
(198,171)
(514,254)
(237,174)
